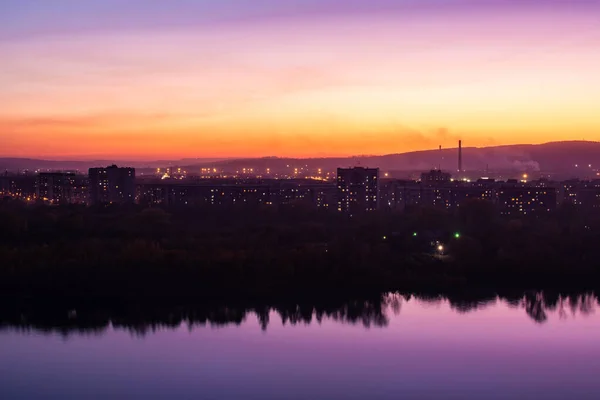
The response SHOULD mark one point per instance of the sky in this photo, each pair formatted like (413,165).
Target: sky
(145,79)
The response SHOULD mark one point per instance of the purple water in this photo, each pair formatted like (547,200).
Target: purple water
(423,350)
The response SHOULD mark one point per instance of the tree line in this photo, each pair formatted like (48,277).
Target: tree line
(252,252)
(372,311)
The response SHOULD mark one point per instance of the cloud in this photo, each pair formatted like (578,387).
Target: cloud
(92,121)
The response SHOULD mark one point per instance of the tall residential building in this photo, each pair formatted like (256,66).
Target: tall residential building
(358,189)
(526,200)
(111,185)
(56,187)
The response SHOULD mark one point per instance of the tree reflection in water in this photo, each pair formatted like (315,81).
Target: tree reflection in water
(374,311)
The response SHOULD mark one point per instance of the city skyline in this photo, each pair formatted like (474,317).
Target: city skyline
(313,78)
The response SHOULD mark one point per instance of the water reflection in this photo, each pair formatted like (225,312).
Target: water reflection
(374,311)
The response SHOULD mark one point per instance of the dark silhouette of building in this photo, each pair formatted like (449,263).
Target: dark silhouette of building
(358,189)
(56,187)
(588,196)
(435,176)
(6,185)
(399,194)
(18,186)
(81,190)
(570,191)
(526,199)
(229,193)
(111,185)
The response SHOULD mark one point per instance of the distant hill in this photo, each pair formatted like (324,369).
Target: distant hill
(554,156)
(559,157)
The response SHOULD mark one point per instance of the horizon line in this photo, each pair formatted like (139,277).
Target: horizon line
(90,158)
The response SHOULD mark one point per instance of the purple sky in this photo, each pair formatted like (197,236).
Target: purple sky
(27,17)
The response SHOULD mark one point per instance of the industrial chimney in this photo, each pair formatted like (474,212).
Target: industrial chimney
(460,167)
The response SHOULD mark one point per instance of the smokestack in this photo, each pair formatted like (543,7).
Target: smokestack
(460,168)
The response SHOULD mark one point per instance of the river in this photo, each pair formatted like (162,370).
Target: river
(397,346)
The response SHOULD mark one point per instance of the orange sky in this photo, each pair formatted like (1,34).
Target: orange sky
(337,85)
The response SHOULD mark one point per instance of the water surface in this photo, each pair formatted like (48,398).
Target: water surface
(396,347)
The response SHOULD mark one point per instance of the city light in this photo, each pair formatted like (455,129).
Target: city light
(457,235)
(440,248)
(414,234)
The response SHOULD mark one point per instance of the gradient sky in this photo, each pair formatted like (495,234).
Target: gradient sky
(205,78)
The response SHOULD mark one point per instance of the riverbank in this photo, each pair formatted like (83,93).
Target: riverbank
(49,252)
(69,314)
